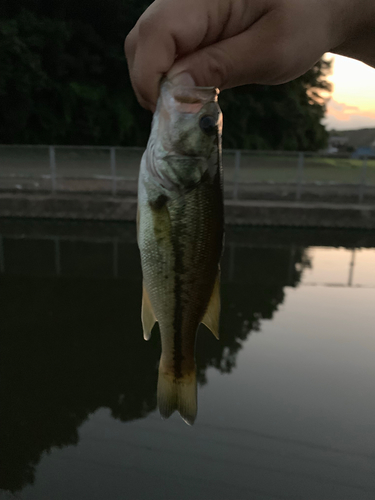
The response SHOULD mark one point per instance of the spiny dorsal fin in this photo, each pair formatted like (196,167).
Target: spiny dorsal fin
(148,316)
(212,314)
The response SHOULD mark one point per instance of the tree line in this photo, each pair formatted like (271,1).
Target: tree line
(64,80)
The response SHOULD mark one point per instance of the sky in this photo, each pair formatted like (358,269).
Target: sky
(352,103)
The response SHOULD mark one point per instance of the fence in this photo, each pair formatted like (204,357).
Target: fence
(270,175)
(114,257)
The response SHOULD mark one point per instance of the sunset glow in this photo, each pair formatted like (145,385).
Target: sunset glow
(352,104)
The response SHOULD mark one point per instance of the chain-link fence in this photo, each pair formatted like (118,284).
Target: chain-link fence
(101,250)
(248,175)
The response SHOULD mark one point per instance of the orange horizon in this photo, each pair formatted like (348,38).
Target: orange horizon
(352,102)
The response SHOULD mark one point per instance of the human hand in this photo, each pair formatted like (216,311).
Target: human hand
(226,43)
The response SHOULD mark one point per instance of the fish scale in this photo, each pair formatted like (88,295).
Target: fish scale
(180,235)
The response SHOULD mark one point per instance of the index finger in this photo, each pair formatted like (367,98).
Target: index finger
(162,34)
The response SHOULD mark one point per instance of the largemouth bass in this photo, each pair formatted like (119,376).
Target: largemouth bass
(180,235)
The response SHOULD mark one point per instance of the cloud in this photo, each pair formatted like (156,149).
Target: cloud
(343,116)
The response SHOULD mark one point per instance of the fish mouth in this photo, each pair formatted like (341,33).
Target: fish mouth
(193,88)
(190,95)
(170,83)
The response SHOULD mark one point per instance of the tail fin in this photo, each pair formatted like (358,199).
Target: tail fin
(178,394)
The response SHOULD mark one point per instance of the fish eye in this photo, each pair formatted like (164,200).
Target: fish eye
(207,124)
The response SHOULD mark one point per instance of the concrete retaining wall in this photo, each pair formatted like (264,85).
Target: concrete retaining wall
(255,212)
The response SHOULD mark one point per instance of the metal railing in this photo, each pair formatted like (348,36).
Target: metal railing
(267,175)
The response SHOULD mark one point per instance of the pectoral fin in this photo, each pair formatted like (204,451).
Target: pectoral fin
(212,315)
(148,316)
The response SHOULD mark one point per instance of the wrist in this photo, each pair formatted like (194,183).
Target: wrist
(353,29)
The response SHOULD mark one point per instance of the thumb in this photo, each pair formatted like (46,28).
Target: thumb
(261,54)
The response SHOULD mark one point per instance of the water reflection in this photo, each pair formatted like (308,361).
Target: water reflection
(68,347)
(71,339)
(253,281)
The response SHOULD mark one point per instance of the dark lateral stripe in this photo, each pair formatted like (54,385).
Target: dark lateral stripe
(178,232)
(178,309)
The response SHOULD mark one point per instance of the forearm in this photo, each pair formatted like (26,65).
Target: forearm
(358,40)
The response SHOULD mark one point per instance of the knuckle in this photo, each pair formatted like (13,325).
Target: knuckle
(146,27)
(150,23)
(220,66)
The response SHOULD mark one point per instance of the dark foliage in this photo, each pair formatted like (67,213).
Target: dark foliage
(64,80)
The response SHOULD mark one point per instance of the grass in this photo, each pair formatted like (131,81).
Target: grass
(87,163)
(272,168)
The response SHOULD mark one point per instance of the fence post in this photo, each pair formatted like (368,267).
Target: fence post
(363,180)
(113,171)
(301,158)
(351,268)
(52,166)
(236,177)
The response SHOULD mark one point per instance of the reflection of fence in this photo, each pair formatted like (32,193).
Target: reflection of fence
(66,256)
(114,257)
(340,267)
(351,265)
(248,174)
(234,271)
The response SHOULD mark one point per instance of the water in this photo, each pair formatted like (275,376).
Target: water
(286,397)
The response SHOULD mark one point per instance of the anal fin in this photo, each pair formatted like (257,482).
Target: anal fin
(147,315)
(212,314)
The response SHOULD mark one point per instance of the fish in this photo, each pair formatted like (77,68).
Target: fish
(180,230)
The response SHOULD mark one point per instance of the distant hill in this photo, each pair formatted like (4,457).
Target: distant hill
(357,138)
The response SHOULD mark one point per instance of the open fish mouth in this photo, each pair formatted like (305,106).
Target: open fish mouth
(183,84)
(187,98)
(194,95)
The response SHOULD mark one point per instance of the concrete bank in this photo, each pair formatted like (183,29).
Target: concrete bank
(254,212)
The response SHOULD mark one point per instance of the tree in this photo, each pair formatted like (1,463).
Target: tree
(283,117)
(64,80)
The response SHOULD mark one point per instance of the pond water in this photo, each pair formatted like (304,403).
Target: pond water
(286,398)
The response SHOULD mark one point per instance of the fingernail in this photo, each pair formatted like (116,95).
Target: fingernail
(184,79)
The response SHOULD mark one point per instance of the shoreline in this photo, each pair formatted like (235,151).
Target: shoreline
(237,212)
